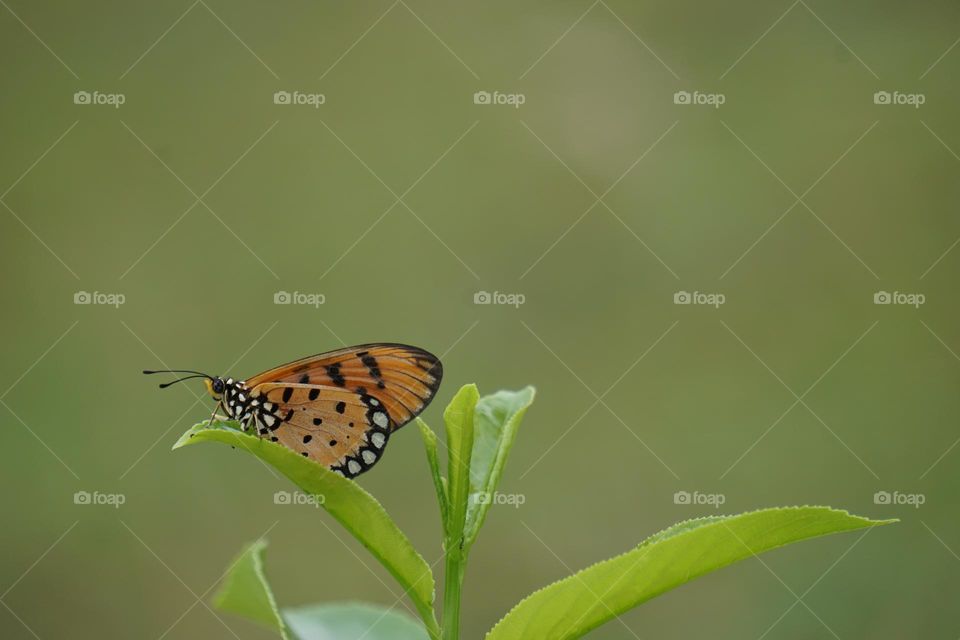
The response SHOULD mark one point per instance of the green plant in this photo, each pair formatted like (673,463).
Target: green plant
(479,435)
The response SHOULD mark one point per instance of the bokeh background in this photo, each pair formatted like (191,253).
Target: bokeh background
(398,200)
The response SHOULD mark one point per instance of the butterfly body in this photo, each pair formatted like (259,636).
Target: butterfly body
(338,408)
(247,407)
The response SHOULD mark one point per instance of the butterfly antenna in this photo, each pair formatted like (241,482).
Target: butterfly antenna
(196,374)
(199,373)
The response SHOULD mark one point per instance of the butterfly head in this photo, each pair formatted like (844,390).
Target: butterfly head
(215,386)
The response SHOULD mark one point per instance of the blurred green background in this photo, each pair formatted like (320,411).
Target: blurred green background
(798,199)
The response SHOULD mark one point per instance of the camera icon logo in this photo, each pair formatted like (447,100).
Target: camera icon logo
(482,297)
(81,497)
(82,297)
(682,97)
(681,497)
(281,497)
(282,297)
(882,297)
(882,97)
(281,97)
(881,497)
(81,97)
(482,97)
(682,297)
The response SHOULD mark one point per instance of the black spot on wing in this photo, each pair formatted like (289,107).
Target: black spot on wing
(333,372)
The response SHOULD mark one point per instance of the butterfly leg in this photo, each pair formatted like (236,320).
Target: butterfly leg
(214,414)
(257,428)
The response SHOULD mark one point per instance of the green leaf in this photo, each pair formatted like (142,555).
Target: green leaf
(458,419)
(345,500)
(352,620)
(572,607)
(430,443)
(245,590)
(496,420)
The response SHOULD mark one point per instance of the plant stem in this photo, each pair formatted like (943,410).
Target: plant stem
(452,581)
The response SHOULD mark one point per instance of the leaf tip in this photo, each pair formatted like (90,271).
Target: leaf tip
(470,390)
(189,436)
(185,439)
(425,429)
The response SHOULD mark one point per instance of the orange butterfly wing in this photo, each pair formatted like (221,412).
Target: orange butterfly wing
(342,430)
(402,377)
(339,408)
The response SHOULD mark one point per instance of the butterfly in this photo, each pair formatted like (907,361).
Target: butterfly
(338,408)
